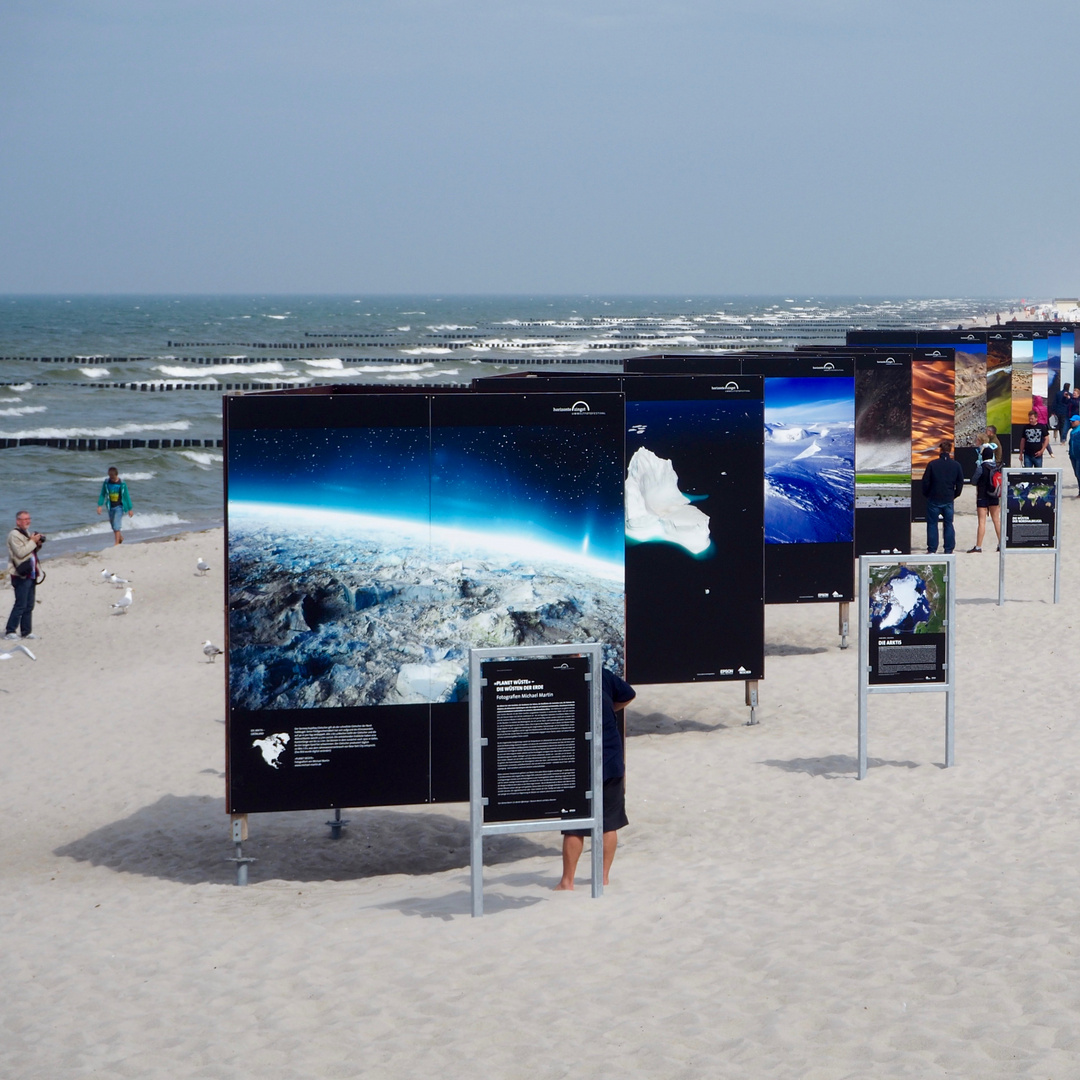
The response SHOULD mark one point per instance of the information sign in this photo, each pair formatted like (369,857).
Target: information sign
(1032,504)
(535,747)
(908,605)
(536,723)
(906,639)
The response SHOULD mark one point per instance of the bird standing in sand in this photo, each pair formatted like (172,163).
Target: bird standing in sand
(18,648)
(202,566)
(210,650)
(105,575)
(116,580)
(124,602)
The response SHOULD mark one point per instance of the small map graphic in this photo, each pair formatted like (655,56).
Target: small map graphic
(907,599)
(272,747)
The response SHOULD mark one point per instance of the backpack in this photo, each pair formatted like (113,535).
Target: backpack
(993,485)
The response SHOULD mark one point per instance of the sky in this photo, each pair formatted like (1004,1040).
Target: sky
(818,147)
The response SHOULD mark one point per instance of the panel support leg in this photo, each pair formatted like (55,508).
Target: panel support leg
(752,700)
(845,611)
(337,824)
(239,835)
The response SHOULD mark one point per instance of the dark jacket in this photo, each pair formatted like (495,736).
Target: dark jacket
(943,480)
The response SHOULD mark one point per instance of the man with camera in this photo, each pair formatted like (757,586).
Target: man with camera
(22,545)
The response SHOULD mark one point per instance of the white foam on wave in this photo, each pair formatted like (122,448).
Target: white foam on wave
(23,410)
(21,388)
(330,364)
(95,433)
(123,476)
(94,372)
(276,316)
(190,374)
(137,523)
(417,376)
(202,459)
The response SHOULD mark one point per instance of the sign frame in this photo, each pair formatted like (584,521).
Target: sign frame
(478,828)
(1004,548)
(948,686)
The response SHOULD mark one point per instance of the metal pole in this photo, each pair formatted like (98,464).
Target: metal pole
(950,661)
(864,658)
(752,700)
(845,608)
(597,678)
(476,811)
(1001,569)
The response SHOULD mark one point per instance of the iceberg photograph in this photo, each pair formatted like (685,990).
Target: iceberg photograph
(693,512)
(365,562)
(809,460)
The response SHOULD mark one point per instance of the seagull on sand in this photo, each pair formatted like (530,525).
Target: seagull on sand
(124,602)
(118,581)
(202,566)
(210,650)
(105,575)
(18,648)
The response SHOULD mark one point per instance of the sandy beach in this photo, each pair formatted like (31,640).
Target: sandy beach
(768,916)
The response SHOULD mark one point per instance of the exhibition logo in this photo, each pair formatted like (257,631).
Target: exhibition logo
(889,361)
(935,353)
(731,387)
(579,408)
(830,366)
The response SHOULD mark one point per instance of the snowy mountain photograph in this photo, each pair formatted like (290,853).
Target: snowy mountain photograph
(809,460)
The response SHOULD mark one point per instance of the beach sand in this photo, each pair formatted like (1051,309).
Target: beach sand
(768,916)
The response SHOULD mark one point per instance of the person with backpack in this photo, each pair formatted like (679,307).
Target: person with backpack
(942,484)
(987,481)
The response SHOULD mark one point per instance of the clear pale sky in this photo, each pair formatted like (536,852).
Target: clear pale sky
(604,146)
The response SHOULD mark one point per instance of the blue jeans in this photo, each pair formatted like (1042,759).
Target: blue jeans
(1033,461)
(935,510)
(21,616)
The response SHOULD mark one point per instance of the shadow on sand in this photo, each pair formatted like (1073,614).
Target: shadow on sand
(836,766)
(657,723)
(185,838)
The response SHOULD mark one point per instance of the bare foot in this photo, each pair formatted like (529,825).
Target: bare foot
(564,886)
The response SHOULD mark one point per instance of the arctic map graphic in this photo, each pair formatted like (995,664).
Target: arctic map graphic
(365,562)
(908,599)
(809,460)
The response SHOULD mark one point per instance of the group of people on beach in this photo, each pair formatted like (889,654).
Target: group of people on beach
(23,547)
(943,479)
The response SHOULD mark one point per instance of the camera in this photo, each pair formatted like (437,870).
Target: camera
(41,539)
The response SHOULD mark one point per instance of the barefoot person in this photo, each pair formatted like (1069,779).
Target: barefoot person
(22,546)
(114,494)
(616,695)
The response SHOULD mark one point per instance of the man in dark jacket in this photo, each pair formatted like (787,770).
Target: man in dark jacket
(942,484)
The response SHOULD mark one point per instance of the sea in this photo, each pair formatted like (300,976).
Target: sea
(115,372)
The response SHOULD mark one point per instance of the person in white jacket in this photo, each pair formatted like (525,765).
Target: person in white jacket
(22,546)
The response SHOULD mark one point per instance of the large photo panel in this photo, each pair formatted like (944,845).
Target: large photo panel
(372,540)
(933,415)
(694,523)
(883,453)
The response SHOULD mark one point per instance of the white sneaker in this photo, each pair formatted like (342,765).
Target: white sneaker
(11,637)
(29,637)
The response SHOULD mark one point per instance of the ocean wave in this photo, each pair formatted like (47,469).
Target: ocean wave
(23,410)
(94,433)
(138,522)
(22,388)
(124,476)
(330,364)
(95,373)
(202,459)
(276,316)
(189,374)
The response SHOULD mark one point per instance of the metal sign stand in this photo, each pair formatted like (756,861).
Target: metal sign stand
(948,687)
(478,828)
(1003,547)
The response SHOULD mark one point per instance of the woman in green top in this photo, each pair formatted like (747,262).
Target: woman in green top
(114,494)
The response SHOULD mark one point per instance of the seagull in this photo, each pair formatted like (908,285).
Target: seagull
(118,581)
(211,651)
(201,566)
(105,575)
(124,602)
(18,648)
